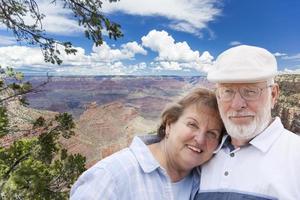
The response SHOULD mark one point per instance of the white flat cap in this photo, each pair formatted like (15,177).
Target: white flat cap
(243,64)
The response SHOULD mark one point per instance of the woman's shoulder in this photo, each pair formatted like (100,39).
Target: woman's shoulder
(117,162)
(104,178)
(127,162)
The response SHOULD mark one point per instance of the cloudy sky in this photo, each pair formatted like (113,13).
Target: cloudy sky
(164,37)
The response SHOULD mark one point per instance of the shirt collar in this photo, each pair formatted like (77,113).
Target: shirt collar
(143,155)
(147,161)
(225,140)
(264,140)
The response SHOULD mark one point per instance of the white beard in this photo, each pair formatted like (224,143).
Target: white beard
(248,131)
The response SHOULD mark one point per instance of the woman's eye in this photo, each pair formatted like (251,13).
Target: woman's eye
(212,135)
(192,125)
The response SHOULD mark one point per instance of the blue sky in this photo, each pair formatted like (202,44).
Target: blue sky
(169,37)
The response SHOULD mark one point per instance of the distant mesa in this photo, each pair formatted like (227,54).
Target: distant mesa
(91,105)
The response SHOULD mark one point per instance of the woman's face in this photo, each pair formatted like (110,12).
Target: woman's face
(193,137)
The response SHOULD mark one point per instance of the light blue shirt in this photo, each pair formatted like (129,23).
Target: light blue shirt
(182,189)
(130,174)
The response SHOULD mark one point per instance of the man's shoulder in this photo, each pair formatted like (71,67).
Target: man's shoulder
(285,134)
(289,143)
(291,136)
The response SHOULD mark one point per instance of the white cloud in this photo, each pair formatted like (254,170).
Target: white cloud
(206,61)
(185,15)
(235,43)
(293,57)
(164,44)
(132,48)
(107,54)
(116,68)
(170,65)
(289,71)
(57,20)
(175,55)
(190,16)
(139,67)
(102,60)
(110,60)
(19,56)
(186,27)
(6,40)
(206,57)
(277,54)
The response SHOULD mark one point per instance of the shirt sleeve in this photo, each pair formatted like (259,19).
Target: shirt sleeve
(94,184)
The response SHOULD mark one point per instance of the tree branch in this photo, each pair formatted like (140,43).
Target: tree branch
(25,92)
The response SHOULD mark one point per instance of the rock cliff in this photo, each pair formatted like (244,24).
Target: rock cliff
(288,105)
(20,118)
(103,130)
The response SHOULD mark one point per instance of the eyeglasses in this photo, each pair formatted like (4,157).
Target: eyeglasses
(248,93)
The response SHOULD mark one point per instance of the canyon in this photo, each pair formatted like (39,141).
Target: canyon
(110,110)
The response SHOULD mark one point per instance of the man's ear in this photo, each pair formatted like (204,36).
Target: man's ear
(274,93)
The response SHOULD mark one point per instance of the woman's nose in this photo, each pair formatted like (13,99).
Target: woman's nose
(200,137)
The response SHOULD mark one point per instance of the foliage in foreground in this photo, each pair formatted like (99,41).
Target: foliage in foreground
(36,167)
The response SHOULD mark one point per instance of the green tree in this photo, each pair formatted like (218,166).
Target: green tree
(36,167)
(39,167)
(87,12)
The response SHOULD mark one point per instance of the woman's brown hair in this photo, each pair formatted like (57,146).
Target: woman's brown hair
(199,97)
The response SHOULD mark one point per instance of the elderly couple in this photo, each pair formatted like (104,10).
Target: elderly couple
(257,158)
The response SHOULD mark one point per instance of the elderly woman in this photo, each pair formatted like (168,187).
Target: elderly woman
(163,168)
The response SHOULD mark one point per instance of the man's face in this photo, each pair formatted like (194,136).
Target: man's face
(245,108)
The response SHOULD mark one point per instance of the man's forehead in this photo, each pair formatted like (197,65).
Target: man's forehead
(261,83)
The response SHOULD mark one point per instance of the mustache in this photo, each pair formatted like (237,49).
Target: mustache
(240,113)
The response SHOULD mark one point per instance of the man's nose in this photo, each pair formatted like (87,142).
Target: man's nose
(238,102)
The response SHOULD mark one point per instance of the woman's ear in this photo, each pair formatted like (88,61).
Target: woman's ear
(168,129)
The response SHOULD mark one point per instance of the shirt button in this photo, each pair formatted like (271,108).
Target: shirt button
(231,154)
(226,173)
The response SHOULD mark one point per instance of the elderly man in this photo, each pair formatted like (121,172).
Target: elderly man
(259,158)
